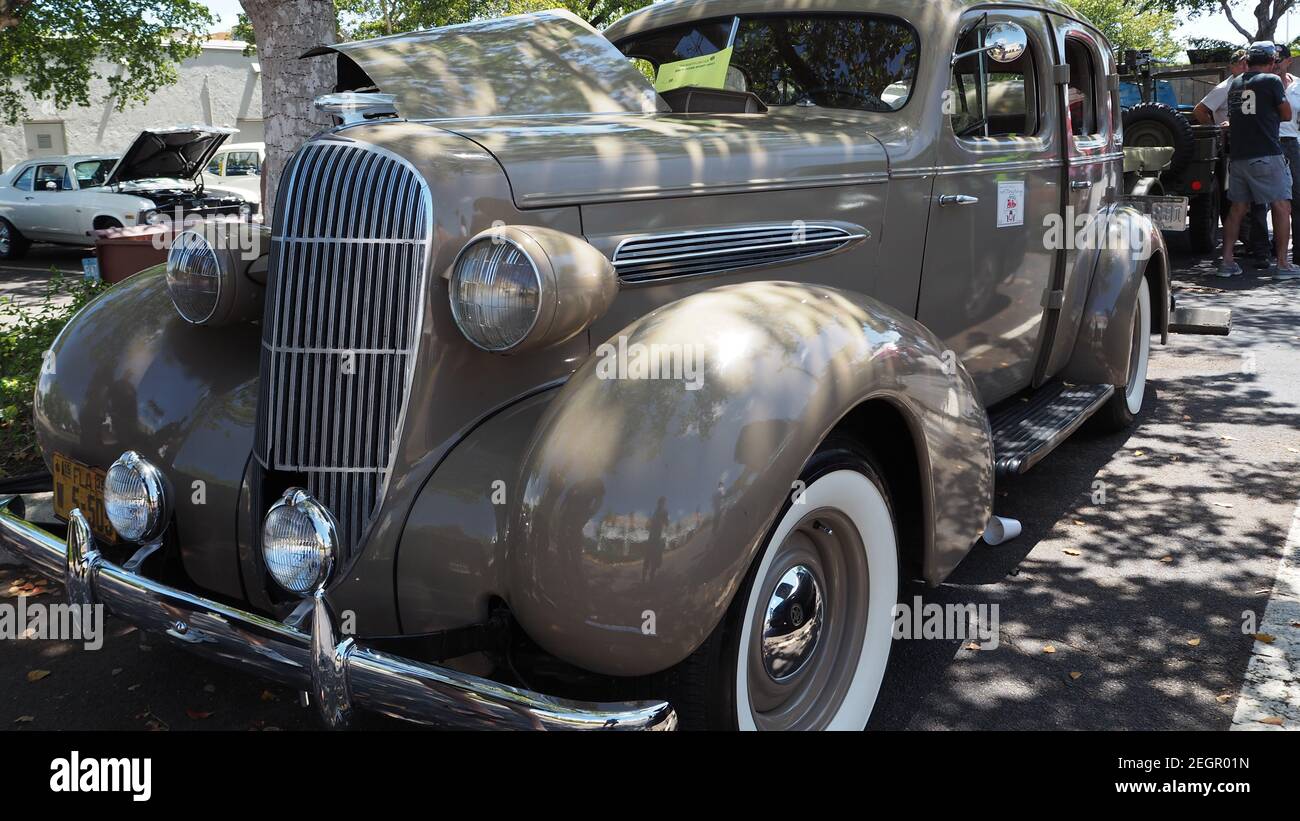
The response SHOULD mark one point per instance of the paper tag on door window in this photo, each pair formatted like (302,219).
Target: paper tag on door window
(1011,204)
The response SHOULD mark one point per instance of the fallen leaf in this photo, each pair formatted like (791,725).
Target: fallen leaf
(1194,642)
(1079,522)
(1049,648)
(1265,638)
(24,719)
(1139,452)
(1224,699)
(1166,559)
(972,646)
(1069,551)
(1229,438)
(267,695)
(1272,720)
(133,687)
(37,675)
(209,688)
(116,671)
(1222,504)
(197,715)
(1076,675)
(1295,624)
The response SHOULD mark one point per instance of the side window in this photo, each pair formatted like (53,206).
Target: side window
(1082,90)
(242,164)
(986,98)
(57,174)
(24,181)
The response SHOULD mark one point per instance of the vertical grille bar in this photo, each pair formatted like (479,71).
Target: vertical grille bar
(350,244)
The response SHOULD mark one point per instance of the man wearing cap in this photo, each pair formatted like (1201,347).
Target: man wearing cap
(1257,171)
(1289,136)
(1213,110)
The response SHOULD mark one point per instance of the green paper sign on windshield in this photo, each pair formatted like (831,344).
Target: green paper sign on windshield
(709,71)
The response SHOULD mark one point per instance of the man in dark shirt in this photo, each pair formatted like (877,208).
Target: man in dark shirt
(1258,172)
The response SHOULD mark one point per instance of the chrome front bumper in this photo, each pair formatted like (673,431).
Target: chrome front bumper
(339,673)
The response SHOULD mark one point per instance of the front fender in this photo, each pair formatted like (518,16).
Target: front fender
(644,500)
(1134,248)
(128,373)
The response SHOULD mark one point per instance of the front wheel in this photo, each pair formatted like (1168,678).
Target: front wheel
(806,640)
(1123,407)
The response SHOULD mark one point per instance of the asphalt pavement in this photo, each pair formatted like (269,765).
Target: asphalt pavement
(1125,604)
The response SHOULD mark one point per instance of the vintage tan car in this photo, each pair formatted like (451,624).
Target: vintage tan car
(563,401)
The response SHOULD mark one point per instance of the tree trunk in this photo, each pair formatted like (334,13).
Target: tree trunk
(285,29)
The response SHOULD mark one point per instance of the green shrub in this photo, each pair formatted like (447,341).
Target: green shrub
(26,333)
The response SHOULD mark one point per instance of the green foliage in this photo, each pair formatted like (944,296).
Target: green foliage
(55,49)
(1127,26)
(25,335)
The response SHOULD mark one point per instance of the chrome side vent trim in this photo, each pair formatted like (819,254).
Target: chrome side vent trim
(656,257)
(350,247)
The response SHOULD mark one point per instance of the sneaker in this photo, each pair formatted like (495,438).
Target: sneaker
(1229,270)
(1264,262)
(1288,271)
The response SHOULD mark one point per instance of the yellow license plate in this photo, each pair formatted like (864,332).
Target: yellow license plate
(81,486)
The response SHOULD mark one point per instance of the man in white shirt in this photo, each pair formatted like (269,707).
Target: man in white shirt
(1289,133)
(1213,110)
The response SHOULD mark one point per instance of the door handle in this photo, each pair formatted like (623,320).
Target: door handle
(1080,185)
(957,199)
(29,198)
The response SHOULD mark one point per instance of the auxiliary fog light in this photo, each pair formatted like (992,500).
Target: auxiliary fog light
(299,542)
(135,498)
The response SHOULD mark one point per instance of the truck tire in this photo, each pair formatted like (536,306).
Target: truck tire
(1150,125)
(1203,220)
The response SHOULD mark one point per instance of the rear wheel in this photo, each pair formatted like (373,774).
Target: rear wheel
(1126,403)
(13,245)
(806,640)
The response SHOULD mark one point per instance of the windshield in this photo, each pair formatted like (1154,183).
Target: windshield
(862,61)
(93,173)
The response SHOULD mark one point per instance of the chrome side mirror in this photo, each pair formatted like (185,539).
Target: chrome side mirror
(1003,42)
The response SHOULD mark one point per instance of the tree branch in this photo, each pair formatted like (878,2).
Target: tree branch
(1250,38)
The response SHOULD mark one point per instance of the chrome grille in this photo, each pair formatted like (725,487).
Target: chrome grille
(350,245)
(692,253)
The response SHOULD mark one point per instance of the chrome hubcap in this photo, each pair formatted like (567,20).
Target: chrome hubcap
(807,624)
(792,623)
(4,238)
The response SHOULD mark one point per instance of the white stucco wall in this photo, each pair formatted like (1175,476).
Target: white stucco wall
(219,87)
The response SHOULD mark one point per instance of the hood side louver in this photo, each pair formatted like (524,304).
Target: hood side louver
(657,257)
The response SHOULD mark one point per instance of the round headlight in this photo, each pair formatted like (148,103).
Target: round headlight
(246,210)
(155,217)
(495,293)
(299,541)
(194,277)
(516,288)
(135,498)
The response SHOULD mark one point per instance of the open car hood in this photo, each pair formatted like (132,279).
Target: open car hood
(548,62)
(174,153)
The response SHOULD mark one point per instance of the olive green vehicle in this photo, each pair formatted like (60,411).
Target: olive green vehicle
(561,402)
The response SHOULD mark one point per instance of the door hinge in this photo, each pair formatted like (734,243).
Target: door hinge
(1053,300)
(1061,74)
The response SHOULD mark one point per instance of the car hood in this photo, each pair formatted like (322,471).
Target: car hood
(554,161)
(549,62)
(169,153)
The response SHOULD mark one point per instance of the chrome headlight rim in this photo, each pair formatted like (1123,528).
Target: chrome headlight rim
(157,506)
(181,253)
(324,528)
(494,237)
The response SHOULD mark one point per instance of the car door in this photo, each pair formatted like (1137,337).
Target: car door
(52,203)
(1090,119)
(987,270)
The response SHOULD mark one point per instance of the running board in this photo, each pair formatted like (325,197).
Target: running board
(1027,430)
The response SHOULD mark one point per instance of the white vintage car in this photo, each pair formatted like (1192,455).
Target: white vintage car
(63,199)
(238,167)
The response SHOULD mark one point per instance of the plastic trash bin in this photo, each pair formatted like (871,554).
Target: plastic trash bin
(123,252)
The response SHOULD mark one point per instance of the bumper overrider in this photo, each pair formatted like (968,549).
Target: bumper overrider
(340,674)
